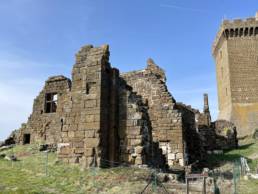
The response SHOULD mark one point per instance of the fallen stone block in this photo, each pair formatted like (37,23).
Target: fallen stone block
(10,158)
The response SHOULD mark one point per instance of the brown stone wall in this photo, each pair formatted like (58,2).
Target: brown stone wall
(192,143)
(166,121)
(85,134)
(223,82)
(134,128)
(43,126)
(101,118)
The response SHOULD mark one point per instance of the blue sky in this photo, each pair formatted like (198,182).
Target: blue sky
(39,38)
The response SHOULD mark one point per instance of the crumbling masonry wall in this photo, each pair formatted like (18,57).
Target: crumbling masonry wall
(42,126)
(102,118)
(166,121)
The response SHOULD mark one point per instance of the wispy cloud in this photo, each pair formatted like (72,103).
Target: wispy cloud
(16,100)
(17,91)
(184,8)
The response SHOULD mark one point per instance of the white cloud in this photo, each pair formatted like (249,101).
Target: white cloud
(18,87)
(16,100)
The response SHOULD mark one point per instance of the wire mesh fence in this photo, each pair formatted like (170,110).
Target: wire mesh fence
(44,168)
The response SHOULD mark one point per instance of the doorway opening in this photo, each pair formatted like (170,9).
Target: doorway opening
(26,139)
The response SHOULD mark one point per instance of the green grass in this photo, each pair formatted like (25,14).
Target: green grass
(28,175)
(248,148)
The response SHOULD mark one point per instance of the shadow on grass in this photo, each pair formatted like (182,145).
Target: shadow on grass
(244,147)
(216,160)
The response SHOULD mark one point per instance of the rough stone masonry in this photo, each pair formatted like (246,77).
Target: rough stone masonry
(103,118)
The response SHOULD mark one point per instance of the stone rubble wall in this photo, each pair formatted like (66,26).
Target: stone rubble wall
(226,133)
(166,121)
(104,118)
(83,121)
(134,132)
(192,142)
(46,127)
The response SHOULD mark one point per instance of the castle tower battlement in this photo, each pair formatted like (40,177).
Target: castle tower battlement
(238,28)
(235,51)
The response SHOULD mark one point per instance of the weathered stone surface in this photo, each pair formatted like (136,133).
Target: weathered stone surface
(235,52)
(103,118)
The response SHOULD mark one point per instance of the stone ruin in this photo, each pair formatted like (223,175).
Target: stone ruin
(103,118)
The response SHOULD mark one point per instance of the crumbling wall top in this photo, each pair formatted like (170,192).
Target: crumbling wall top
(57,78)
(188,107)
(89,53)
(155,69)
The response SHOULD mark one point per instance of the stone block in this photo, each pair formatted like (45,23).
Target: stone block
(93,125)
(91,142)
(171,156)
(65,150)
(88,152)
(89,118)
(90,134)
(135,142)
(79,144)
(79,150)
(179,155)
(90,103)
(71,134)
(181,162)
(138,160)
(138,149)
(79,134)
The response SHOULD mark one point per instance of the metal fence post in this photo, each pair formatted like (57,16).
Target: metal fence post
(46,164)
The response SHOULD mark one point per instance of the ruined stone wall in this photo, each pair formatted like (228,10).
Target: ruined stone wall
(226,134)
(235,51)
(134,129)
(43,126)
(166,121)
(101,118)
(86,139)
(106,124)
(192,143)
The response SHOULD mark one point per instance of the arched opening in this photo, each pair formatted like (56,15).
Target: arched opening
(241,32)
(256,31)
(251,32)
(226,33)
(236,32)
(246,32)
(231,33)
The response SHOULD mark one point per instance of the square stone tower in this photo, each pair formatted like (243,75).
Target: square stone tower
(235,51)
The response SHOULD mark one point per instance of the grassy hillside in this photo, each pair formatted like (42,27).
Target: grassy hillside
(36,172)
(31,174)
(248,148)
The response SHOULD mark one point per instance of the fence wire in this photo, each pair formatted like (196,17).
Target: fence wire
(44,166)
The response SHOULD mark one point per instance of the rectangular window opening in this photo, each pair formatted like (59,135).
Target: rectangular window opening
(50,102)
(90,87)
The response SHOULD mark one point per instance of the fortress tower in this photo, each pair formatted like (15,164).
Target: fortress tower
(235,51)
